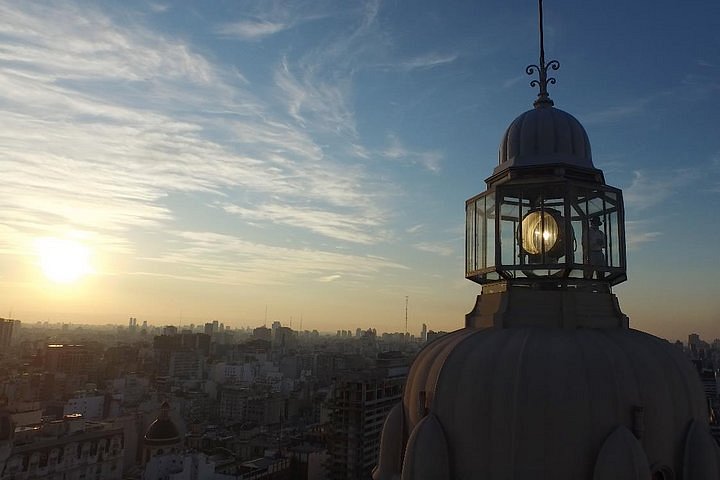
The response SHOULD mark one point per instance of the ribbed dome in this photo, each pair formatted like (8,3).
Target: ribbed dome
(516,401)
(162,431)
(545,135)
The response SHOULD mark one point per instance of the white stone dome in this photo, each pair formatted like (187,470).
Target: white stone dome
(538,402)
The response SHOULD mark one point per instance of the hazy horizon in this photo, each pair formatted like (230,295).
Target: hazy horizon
(178,163)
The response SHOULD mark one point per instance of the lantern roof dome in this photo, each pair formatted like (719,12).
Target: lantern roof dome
(544,135)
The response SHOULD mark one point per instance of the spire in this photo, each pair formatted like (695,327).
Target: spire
(542,68)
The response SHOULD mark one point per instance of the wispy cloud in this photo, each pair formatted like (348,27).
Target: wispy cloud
(159,7)
(330,278)
(225,259)
(514,80)
(317,86)
(98,131)
(347,226)
(648,190)
(396,150)
(614,113)
(264,18)
(441,248)
(316,101)
(638,232)
(424,62)
(250,29)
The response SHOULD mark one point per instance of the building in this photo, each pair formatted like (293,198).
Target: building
(359,404)
(183,355)
(7,327)
(284,339)
(161,438)
(262,333)
(547,380)
(72,359)
(89,404)
(68,449)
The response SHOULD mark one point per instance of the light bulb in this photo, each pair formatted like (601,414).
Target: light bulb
(540,232)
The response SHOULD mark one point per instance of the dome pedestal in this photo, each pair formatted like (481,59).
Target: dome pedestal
(527,307)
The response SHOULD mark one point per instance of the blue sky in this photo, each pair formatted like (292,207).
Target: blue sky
(217,157)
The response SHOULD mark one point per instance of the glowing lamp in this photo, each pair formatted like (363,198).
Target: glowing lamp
(541,232)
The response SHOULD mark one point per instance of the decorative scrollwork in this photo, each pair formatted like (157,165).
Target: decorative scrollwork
(543,80)
(542,68)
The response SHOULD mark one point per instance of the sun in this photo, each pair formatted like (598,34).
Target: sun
(63,260)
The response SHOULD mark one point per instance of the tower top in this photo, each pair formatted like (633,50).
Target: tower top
(543,99)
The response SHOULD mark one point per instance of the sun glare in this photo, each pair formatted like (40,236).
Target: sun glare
(63,260)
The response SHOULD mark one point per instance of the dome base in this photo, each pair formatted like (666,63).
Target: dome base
(526,307)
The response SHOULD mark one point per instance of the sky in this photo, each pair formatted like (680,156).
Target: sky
(217,160)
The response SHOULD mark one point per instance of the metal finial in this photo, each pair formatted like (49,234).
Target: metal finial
(542,69)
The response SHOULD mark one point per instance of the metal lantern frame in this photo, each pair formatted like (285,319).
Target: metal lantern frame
(494,233)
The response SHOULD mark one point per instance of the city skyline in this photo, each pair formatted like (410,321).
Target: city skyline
(208,164)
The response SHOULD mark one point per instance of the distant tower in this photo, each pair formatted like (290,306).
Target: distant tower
(406,315)
(6,332)
(423,333)
(547,380)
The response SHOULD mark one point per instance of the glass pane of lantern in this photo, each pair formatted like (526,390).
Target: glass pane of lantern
(612,252)
(577,215)
(489,230)
(613,237)
(480,237)
(470,240)
(576,228)
(554,239)
(509,220)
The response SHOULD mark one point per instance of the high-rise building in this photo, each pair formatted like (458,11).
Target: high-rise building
(546,380)
(359,405)
(74,359)
(6,331)
(262,333)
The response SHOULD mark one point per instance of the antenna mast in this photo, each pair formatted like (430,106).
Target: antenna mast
(406,316)
(542,69)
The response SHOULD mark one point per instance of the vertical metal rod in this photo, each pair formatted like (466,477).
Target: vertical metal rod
(542,36)
(607,250)
(611,250)
(406,314)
